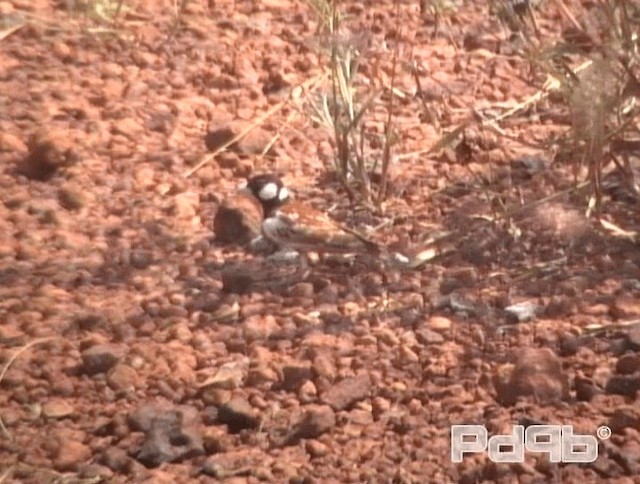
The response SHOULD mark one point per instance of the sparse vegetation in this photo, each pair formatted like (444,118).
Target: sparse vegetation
(593,65)
(345,108)
(135,347)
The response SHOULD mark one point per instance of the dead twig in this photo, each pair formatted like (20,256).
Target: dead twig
(11,30)
(295,93)
(13,358)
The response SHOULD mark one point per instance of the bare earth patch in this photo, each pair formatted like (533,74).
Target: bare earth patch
(157,354)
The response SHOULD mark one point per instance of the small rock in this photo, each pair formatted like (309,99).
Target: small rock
(101,358)
(11,336)
(586,389)
(633,338)
(427,336)
(218,135)
(237,279)
(308,392)
(293,376)
(324,367)
(380,406)
(70,454)
(439,323)
(128,127)
(624,384)
(116,459)
(404,424)
(48,152)
(252,143)
(407,355)
(624,307)
(123,378)
(387,336)
(72,199)
(215,396)
(141,259)
(257,328)
(95,473)
(302,290)
(629,363)
(185,205)
(11,144)
(347,392)
(317,420)
(315,448)
(569,345)
(88,322)
(230,375)
(538,373)
(625,417)
(172,433)
(260,375)
(217,439)
(206,302)
(238,414)
(57,408)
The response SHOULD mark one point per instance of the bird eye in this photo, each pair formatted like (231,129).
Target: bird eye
(283,195)
(268,192)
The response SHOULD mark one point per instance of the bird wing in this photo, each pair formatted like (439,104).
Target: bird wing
(309,229)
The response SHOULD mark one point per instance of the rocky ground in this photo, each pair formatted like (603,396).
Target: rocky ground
(128,357)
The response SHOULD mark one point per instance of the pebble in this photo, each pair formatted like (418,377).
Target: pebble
(123,378)
(316,420)
(101,358)
(294,376)
(172,433)
(70,453)
(259,327)
(347,392)
(57,408)
(238,414)
(537,373)
(439,323)
(629,363)
(229,376)
(315,448)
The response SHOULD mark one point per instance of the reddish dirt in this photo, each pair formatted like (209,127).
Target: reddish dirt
(125,359)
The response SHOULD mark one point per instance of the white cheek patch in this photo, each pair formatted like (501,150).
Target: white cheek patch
(283,195)
(268,192)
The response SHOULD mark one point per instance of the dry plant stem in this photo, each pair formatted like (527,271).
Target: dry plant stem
(567,13)
(551,85)
(534,21)
(6,474)
(6,33)
(388,132)
(13,358)
(309,84)
(116,16)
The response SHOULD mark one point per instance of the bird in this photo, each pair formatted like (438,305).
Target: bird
(296,225)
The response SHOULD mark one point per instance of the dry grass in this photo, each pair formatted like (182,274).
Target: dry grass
(344,108)
(6,367)
(593,63)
